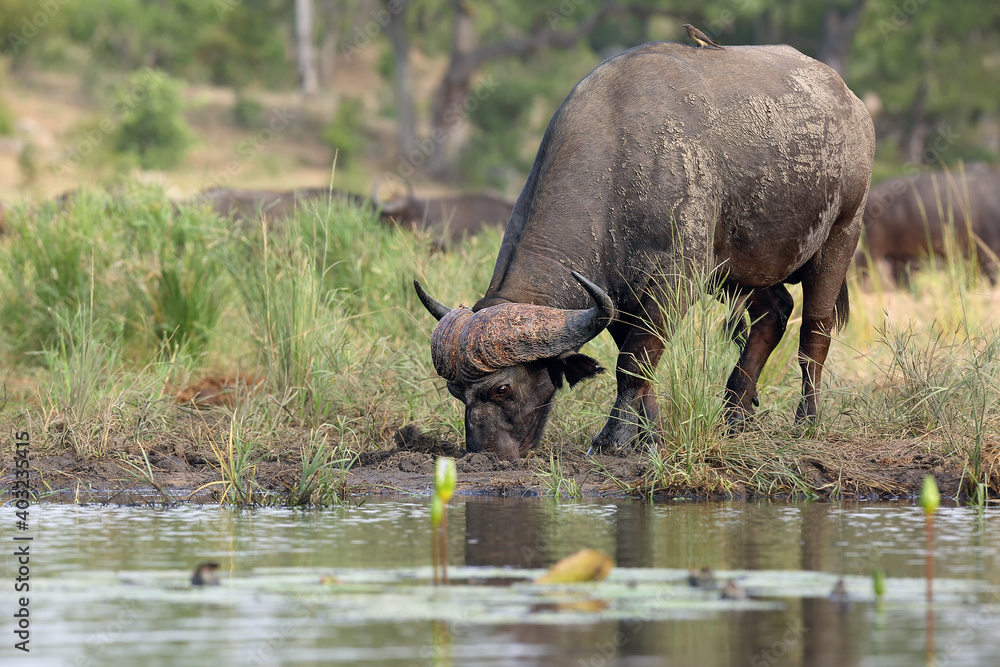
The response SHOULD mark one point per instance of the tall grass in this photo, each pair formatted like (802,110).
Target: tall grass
(237,455)
(51,263)
(177,276)
(83,364)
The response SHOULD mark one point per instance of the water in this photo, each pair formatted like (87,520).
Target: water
(109,585)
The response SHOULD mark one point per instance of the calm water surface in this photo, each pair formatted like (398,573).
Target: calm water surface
(109,584)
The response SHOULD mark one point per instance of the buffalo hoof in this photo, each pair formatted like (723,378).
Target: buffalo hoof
(602,448)
(647,441)
(738,421)
(611,438)
(805,415)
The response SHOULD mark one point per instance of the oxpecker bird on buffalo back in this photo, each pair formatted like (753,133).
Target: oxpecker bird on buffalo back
(700,38)
(660,166)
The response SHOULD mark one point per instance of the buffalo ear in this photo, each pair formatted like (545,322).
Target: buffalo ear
(575,367)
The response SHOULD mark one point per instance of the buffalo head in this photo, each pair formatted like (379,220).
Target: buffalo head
(505,363)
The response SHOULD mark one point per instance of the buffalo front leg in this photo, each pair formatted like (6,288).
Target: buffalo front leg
(769,311)
(635,405)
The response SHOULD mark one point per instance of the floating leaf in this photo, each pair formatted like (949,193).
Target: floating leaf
(584,565)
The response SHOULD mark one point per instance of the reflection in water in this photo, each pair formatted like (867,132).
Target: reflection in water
(183,628)
(497,533)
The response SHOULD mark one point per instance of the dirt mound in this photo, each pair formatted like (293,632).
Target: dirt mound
(218,390)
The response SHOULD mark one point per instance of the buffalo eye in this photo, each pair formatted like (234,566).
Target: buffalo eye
(501,391)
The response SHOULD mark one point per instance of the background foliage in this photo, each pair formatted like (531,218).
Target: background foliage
(924,68)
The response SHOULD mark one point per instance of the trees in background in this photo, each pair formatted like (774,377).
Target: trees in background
(927,69)
(935,69)
(306,60)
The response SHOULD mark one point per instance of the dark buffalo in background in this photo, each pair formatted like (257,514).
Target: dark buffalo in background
(449,217)
(273,205)
(906,217)
(663,164)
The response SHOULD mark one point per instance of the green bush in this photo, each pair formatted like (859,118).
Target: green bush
(248,112)
(6,120)
(151,125)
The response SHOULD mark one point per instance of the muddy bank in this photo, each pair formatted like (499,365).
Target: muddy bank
(179,472)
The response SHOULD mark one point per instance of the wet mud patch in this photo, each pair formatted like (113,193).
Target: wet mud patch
(181,462)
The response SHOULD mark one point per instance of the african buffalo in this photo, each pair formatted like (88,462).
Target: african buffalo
(244,205)
(905,218)
(664,163)
(450,217)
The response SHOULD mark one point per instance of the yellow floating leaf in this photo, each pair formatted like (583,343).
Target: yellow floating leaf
(584,565)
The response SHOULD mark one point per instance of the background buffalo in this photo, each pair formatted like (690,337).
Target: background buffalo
(448,217)
(909,217)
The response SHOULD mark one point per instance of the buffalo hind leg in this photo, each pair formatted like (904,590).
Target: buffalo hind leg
(769,311)
(825,305)
(820,317)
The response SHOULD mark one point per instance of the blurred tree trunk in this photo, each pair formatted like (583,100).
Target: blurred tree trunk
(406,130)
(915,134)
(304,46)
(452,91)
(839,25)
(331,14)
(452,95)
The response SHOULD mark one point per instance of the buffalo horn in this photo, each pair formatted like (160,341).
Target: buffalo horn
(509,334)
(395,205)
(433,306)
(603,301)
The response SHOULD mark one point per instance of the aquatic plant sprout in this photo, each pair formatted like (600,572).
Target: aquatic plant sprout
(930,497)
(445,477)
(445,480)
